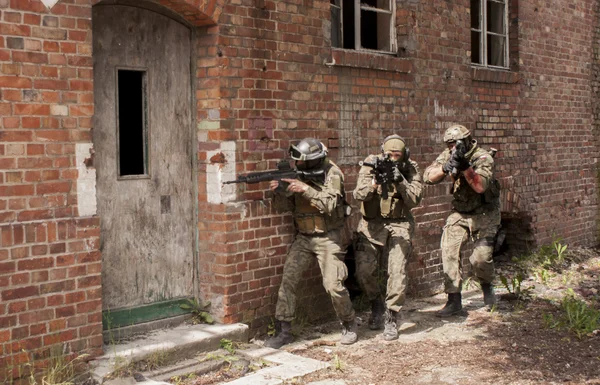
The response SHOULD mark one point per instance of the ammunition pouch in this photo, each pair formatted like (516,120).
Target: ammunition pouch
(311,224)
(391,208)
(492,194)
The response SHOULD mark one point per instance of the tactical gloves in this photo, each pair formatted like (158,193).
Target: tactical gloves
(398,177)
(457,162)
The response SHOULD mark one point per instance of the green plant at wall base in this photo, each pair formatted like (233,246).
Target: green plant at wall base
(229,345)
(579,317)
(542,275)
(552,255)
(467,283)
(512,284)
(576,316)
(156,360)
(338,364)
(549,321)
(121,368)
(560,251)
(567,278)
(198,310)
(59,369)
(271,328)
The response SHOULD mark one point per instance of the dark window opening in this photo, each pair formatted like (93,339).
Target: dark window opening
(475,47)
(133,139)
(368,29)
(348,23)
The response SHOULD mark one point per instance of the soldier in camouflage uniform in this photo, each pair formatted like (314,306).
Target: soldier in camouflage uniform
(318,208)
(475,214)
(387,227)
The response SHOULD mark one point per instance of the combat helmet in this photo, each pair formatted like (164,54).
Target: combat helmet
(456,132)
(311,151)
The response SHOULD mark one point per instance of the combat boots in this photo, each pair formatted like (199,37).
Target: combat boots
(283,335)
(390,331)
(489,297)
(377,309)
(349,332)
(452,307)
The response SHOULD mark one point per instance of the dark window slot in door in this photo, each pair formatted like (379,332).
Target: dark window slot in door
(132,123)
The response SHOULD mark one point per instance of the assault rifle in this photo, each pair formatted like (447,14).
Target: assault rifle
(385,171)
(461,150)
(284,171)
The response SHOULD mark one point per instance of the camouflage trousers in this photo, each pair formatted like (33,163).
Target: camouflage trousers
(479,228)
(378,239)
(330,256)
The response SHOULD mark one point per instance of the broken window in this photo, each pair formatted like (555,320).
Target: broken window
(489,33)
(364,25)
(132,133)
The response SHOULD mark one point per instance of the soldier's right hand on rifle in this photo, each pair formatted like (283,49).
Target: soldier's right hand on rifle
(456,163)
(273,185)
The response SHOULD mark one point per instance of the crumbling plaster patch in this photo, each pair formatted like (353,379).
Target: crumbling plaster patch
(86,179)
(221,171)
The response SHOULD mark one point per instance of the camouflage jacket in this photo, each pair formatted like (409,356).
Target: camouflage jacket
(465,199)
(402,196)
(320,208)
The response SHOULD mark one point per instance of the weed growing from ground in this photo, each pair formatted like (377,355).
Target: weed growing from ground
(338,364)
(199,312)
(575,315)
(229,345)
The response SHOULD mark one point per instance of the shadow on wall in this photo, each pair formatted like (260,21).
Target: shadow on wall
(515,236)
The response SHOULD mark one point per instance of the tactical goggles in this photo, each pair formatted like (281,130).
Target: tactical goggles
(296,154)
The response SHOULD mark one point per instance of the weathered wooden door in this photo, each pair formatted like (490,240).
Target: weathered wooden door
(143,156)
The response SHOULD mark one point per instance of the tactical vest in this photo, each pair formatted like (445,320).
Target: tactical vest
(391,208)
(467,200)
(309,220)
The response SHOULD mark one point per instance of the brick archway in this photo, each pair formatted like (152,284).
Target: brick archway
(195,12)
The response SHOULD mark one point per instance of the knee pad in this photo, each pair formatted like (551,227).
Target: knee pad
(487,241)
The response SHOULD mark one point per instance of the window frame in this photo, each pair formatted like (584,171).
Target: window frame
(358,7)
(484,32)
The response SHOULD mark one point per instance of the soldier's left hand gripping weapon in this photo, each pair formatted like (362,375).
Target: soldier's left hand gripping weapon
(385,171)
(458,156)
(284,171)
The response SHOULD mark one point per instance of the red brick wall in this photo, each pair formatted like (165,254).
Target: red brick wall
(50,289)
(556,45)
(277,89)
(266,76)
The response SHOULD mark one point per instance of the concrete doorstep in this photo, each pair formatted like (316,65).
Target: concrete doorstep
(185,341)
(178,343)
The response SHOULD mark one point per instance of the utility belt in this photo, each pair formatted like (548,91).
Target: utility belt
(401,218)
(483,208)
(314,225)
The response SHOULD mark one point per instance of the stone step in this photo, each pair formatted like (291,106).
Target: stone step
(177,344)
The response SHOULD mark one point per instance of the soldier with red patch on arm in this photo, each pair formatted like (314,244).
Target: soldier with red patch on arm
(475,215)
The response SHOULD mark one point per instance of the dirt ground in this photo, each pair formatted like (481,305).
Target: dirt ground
(512,344)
